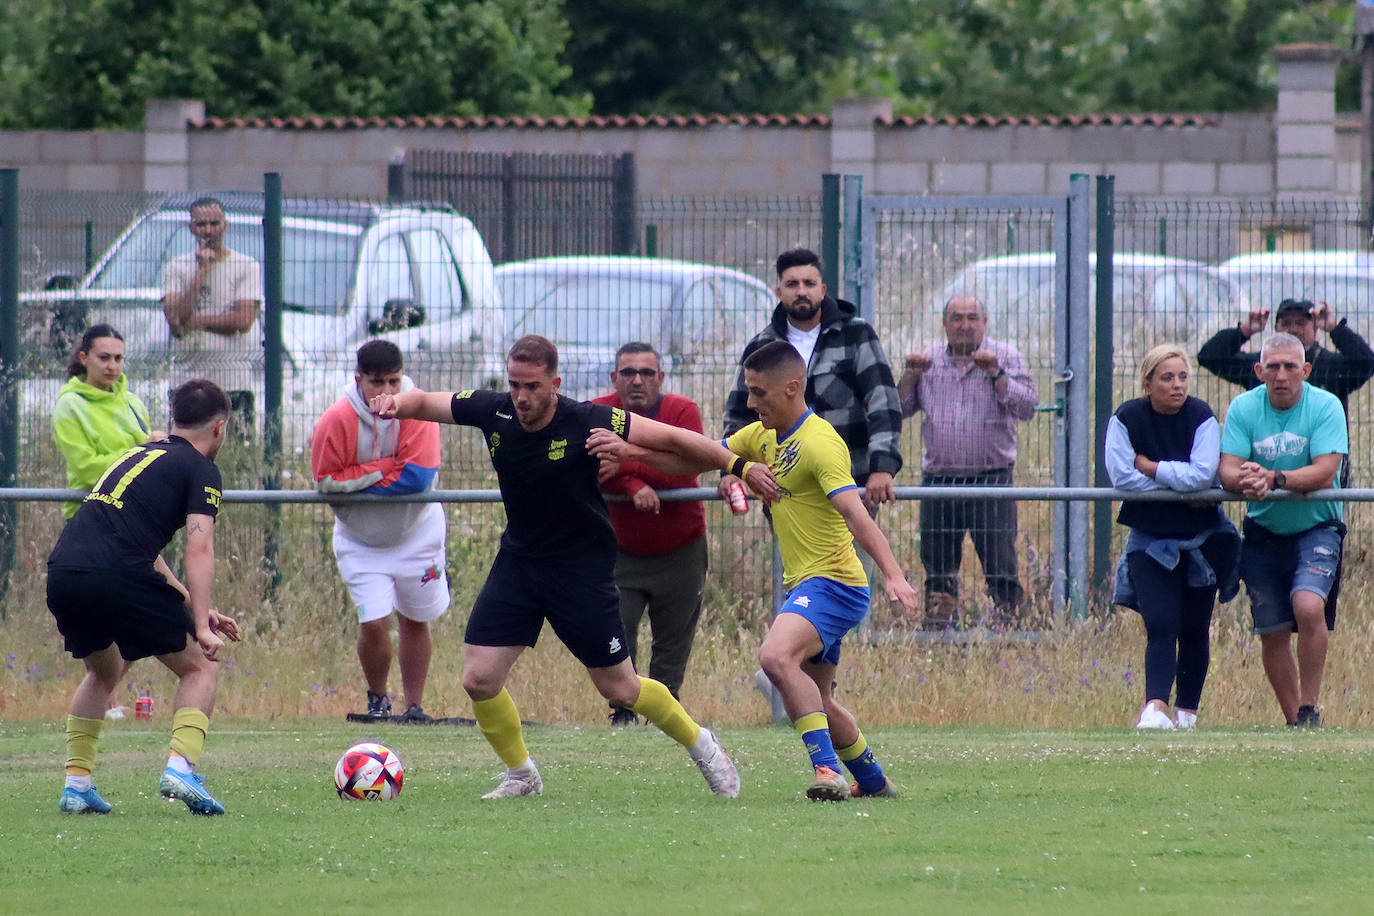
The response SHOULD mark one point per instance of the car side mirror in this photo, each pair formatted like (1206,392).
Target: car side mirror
(397,315)
(60,280)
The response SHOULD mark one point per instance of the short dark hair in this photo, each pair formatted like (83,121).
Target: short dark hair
(797,257)
(93,333)
(198,402)
(536,350)
(205,202)
(776,356)
(636,346)
(377,357)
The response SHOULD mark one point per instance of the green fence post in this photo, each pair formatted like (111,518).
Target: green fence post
(830,232)
(651,240)
(90,245)
(624,203)
(1104,366)
(272,271)
(854,267)
(9,366)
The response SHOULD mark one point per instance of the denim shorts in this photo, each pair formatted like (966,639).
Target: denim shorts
(1275,566)
(833,608)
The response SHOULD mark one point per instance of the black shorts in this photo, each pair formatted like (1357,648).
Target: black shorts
(139,612)
(579,602)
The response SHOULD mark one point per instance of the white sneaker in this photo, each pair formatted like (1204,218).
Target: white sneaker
(514,783)
(717,767)
(1186,719)
(1152,717)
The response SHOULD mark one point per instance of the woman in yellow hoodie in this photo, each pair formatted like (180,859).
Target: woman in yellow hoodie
(97,417)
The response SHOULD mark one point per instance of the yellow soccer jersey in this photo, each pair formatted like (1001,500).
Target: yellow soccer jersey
(810,463)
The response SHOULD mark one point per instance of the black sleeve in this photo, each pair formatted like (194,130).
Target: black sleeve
(1221,355)
(476,407)
(604,416)
(1356,364)
(204,490)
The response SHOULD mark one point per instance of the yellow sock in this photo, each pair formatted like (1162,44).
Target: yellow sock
(82,734)
(854,750)
(658,705)
(499,721)
(189,727)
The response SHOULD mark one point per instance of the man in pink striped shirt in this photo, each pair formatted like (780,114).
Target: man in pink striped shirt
(973,390)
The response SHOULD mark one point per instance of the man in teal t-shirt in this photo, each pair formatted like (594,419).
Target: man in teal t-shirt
(1288,435)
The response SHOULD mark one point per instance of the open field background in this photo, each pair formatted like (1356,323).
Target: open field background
(991,820)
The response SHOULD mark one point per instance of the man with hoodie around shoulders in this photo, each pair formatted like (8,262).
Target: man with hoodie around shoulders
(391,557)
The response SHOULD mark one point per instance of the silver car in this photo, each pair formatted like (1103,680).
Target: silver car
(698,316)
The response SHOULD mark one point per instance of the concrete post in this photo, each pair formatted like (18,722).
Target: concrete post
(1305,124)
(166,148)
(853,143)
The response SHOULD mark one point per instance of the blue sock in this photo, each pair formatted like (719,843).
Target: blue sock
(814,729)
(867,771)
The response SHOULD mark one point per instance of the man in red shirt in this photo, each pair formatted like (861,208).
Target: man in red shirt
(661,558)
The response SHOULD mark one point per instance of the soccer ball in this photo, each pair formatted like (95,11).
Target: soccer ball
(368,772)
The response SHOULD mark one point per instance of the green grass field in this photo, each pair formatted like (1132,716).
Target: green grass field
(991,821)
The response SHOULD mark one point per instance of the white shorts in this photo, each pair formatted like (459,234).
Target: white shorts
(409,577)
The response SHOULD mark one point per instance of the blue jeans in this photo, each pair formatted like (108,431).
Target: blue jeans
(1274,566)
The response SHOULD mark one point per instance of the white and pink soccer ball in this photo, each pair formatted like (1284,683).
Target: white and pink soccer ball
(369,772)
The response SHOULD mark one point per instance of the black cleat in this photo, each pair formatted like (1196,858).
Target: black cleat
(621,717)
(378,706)
(414,715)
(1308,717)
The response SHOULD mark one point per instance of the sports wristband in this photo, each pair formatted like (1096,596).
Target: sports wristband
(737,468)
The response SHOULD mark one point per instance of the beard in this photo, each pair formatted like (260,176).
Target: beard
(802,311)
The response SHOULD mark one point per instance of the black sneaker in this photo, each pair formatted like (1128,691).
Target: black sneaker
(378,705)
(414,715)
(1308,717)
(621,717)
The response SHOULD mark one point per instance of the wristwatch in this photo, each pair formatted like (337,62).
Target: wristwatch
(1000,374)
(1280,480)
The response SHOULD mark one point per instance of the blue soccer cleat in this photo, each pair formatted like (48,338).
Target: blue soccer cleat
(87,802)
(189,788)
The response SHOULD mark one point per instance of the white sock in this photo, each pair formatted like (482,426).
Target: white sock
(703,744)
(526,767)
(79,783)
(179,764)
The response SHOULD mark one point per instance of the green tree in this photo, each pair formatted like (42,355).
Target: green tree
(99,60)
(642,56)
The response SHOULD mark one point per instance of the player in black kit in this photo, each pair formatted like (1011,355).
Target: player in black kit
(116,600)
(557,555)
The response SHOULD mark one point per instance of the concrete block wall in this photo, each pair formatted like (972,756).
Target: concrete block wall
(1300,149)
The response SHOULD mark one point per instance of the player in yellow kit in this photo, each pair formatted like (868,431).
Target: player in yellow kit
(817,517)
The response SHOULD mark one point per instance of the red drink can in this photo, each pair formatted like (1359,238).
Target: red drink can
(143,707)
(739,503)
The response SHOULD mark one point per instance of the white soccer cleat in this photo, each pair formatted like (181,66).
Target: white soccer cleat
(514,783)
(1186,719)
(1152,717)
(717,767)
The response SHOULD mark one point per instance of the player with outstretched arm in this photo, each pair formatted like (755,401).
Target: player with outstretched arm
(557,554)
(818,514)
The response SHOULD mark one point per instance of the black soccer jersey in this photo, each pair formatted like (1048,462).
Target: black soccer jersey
(137,506)
(554,508)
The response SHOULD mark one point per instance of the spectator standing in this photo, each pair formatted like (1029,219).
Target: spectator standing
(115,600)
(391,557)
(973,391)
(848,379)
(1288,435)
(1340,372)
(661,555)
(1179,555)
(97,418)
(212,298)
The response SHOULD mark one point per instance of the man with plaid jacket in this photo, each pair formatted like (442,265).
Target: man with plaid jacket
(849,383)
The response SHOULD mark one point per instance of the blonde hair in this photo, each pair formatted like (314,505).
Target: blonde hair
(1157,355)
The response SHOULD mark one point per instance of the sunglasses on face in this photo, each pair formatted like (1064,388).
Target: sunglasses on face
(629,374)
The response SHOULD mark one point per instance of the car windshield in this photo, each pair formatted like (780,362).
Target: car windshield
(586,310)
(319,264)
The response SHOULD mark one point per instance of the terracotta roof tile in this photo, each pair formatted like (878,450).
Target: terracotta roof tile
(593,122)
(1144,119)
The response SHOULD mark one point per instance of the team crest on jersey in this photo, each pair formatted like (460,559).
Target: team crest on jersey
(556,448)
(618,421)
(463,394)
(493,443)
(785,459)
(430,575)
(212,497)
